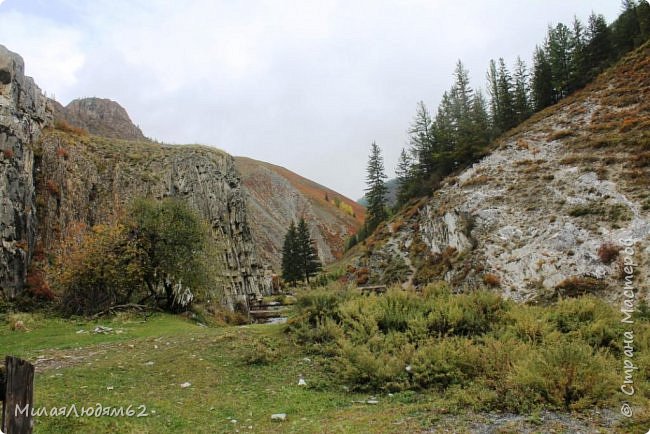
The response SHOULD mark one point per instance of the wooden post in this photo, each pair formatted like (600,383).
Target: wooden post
(18,393)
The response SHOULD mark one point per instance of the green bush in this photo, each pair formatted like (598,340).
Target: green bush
(262,353)
(369,368)
(507,356)
(446,362)
(567,374)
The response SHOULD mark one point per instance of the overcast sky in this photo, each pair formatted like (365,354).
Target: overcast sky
(304,84)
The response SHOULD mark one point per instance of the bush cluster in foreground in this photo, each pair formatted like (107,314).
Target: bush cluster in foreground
(489,353)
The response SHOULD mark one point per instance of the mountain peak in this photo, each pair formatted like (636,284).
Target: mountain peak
(100,116)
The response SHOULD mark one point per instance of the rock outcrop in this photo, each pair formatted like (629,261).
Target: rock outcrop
(276,196)
(549,210)
(85,180)
(98,116)
(22,116)
(57,181)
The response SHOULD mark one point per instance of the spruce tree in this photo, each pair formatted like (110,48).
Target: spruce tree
(291,269)
(598,50)
(493,92)
(559,56)
(462,97)
(480,123)
(421,141)
(307,254)
(643,13)
(506,118)
(579,67)
(542,83)
(405,177)
(626,29)
(445,136)
(376,188)
(521,97)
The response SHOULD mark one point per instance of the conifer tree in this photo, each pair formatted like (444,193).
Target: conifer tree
(445,136)
(462,97)
(376,188)
(542,83)
(559,56)
(579,67)
(626,29)
(461,93)
(506,111)
(643,13)
(493,91)
(307,254)
(291,270)
(521,97)
(421,140)
(405,176)
(598,49)
(481,129)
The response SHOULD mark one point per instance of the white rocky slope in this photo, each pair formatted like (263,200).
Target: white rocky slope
(536,211)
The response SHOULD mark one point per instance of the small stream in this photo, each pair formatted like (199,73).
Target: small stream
(271,313)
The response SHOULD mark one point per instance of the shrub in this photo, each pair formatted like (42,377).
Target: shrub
(61,152)
(529,325)
(608,252)
(396,310)
(560,134)
(64,126)
(395,271)
(362,276)
(590,318)
(476,180)
(577,285)
(641,160)
(443,363)
(159,253)
(506,356)
(365,369)
(491,279)
(567,375)
(53,188)
(37,285)
(262,353)
(582,210)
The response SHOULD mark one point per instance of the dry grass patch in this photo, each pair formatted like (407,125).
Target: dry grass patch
(476,180)
(560,134)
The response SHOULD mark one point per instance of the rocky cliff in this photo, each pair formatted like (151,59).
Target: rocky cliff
(548,212)
(98,116)
(276,196)
(56,180)
(22,116)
